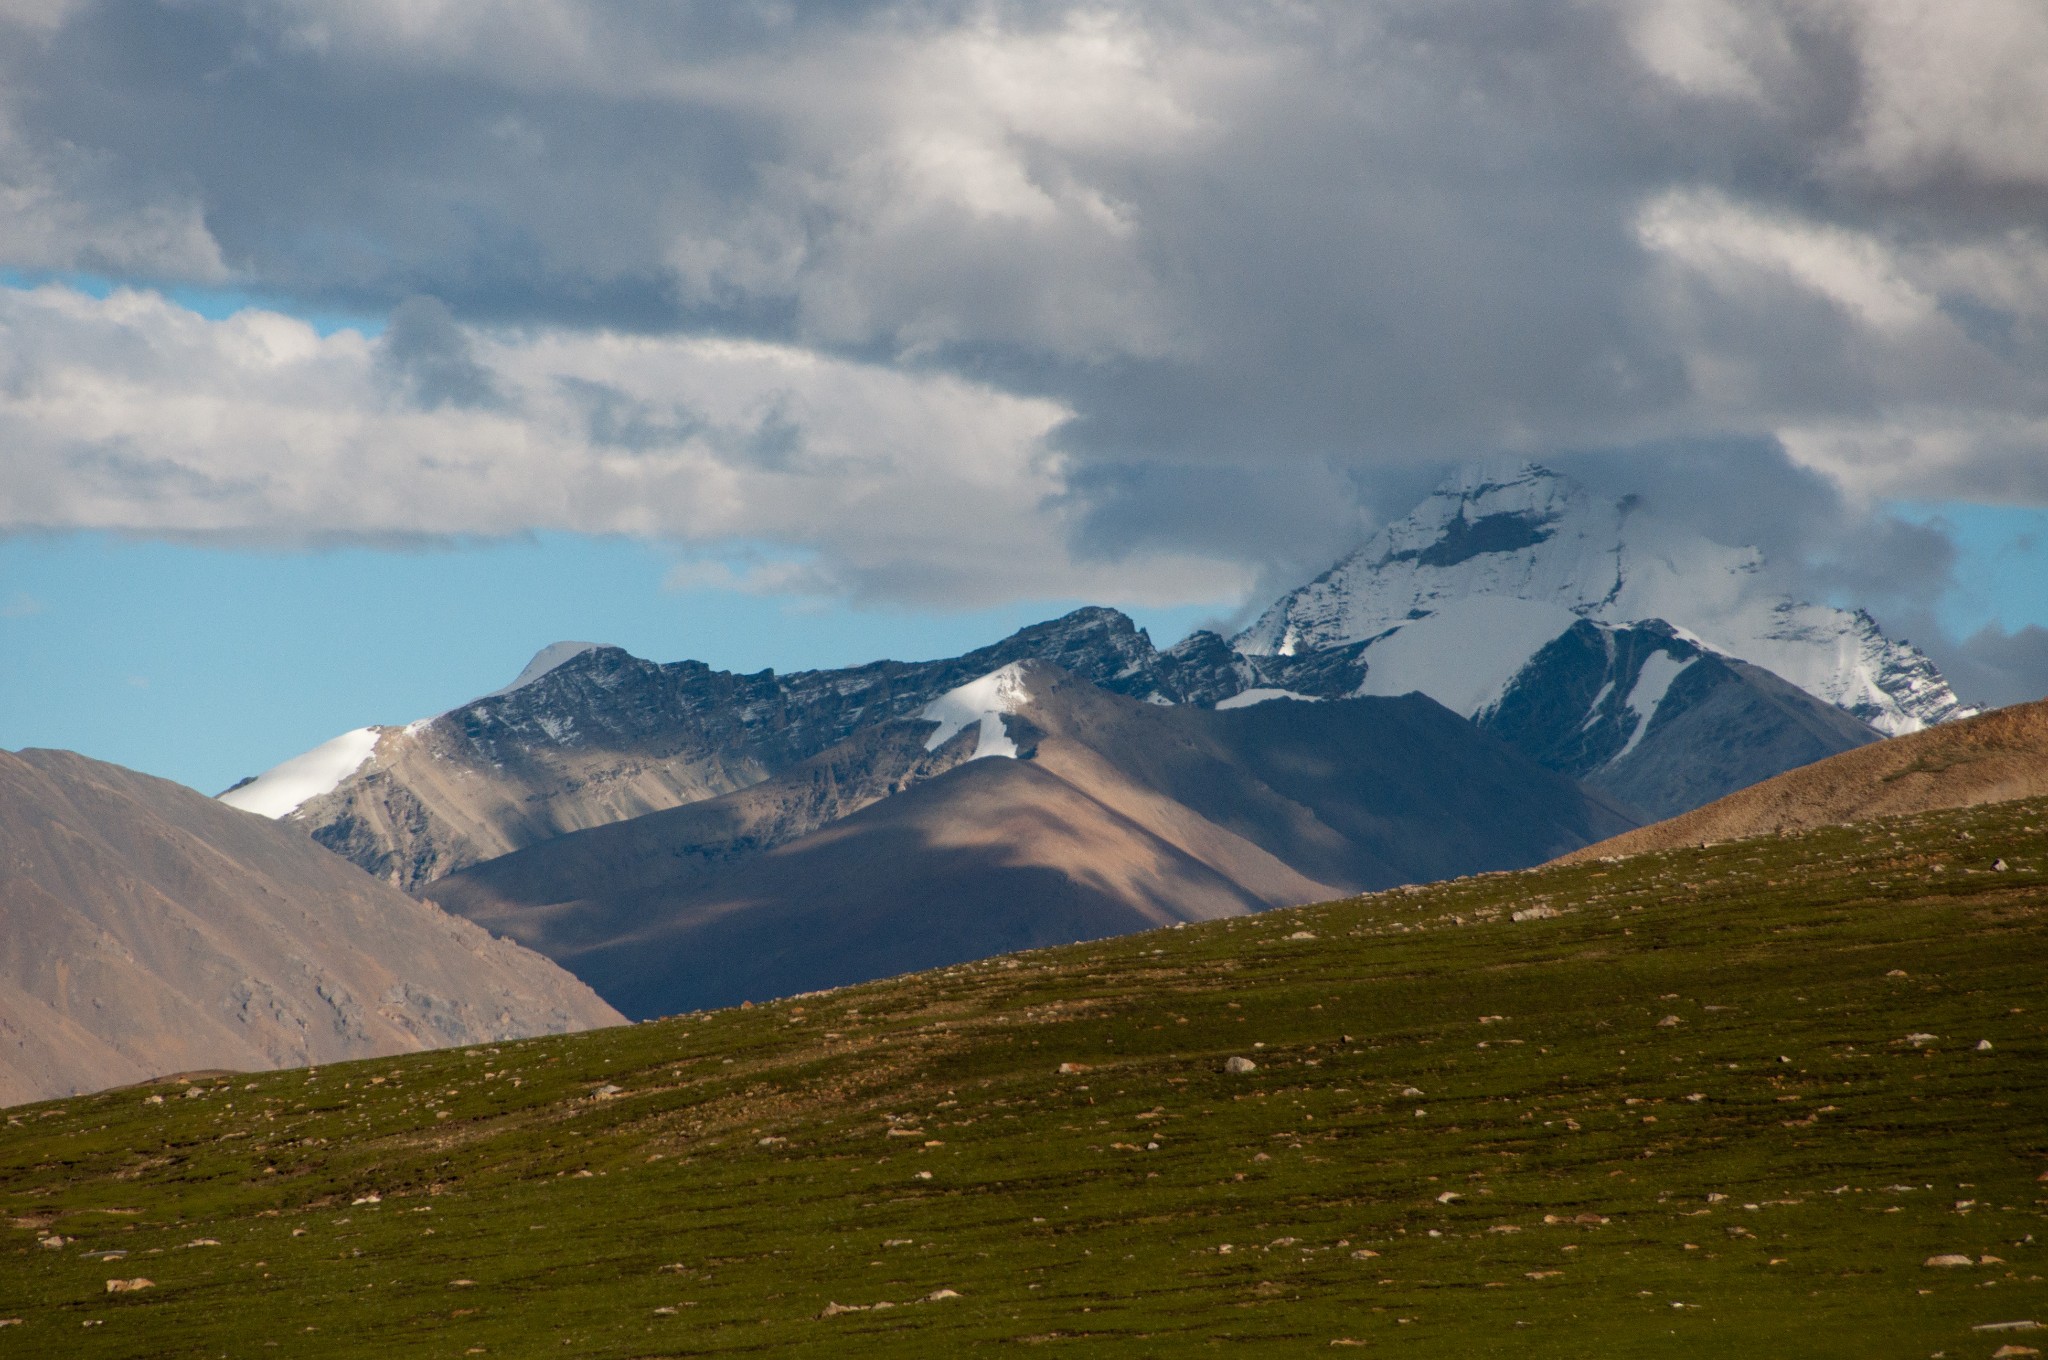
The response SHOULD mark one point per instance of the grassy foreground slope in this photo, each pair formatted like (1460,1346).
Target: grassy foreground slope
(1725,1102)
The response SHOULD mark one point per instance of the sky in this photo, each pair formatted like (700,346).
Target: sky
(351,352)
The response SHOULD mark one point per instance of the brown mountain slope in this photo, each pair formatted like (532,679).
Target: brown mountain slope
(1118,815)
(145,929)
(1990,758)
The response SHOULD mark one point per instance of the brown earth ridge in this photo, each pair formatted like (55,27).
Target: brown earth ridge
(1994,757)
(147,929)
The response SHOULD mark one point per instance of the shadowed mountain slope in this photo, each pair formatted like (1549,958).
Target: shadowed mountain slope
(146,929)
(1992,758)
(1115,815)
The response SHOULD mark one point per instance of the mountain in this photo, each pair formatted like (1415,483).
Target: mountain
(1659,722)
(1607,646)
(1993,757)
(1497,563)
(1024,808)
(589,735)
(148,929)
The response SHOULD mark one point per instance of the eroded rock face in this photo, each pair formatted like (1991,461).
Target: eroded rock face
(605,736)
(150,929)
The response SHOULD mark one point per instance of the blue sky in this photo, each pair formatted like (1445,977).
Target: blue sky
(203,665)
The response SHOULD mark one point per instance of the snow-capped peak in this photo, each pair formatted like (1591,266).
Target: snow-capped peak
(1536,542)
(284,789)
(982,701)
(546,659)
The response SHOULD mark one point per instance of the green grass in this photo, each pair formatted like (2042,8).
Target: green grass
(1763,1177)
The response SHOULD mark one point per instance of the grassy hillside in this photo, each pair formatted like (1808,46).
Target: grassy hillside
(1682,1116)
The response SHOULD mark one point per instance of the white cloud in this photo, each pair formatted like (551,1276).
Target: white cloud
(131,413)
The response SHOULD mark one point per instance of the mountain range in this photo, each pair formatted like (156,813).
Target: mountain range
(1605,644)
(1030,808)
(1514,671)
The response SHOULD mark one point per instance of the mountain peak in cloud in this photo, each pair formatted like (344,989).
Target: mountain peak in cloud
(1535,542)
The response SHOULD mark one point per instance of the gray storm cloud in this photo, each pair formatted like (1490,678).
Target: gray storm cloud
(1257,270)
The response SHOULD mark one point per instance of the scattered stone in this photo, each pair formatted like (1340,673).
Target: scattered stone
(1447,1196)
(129,1286)
(1921,1040)
(1998,866)
(1504,1228)
(1983,1045)
(1543,1274)
(2026,1325)
(1302,935)
(924,1175)
(372,1198)
(10,1322)
(204,1242)
(1947,1260)
(938,1294)
(1535,913)
(1239,1066)
(607,1092)
(900,1242)
(55,1242)
(1669,1021)
(1897,972)
(1364,1254)
(2013,1352)
(1990,1260)
(835,1309)
(1073,1069)
(462,1284)
(1410,1091)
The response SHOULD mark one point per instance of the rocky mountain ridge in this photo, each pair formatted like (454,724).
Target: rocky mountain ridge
(1105,815)
(1639,658)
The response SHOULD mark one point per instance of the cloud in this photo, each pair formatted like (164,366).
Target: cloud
(431,359)
(1995,666)
(133,414)
(1149,299)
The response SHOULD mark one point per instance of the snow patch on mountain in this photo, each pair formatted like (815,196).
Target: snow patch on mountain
(1465,652)
(1653,682)
(284,789)
(1528,534)
(984,701)
(1248,698)
(548,658)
